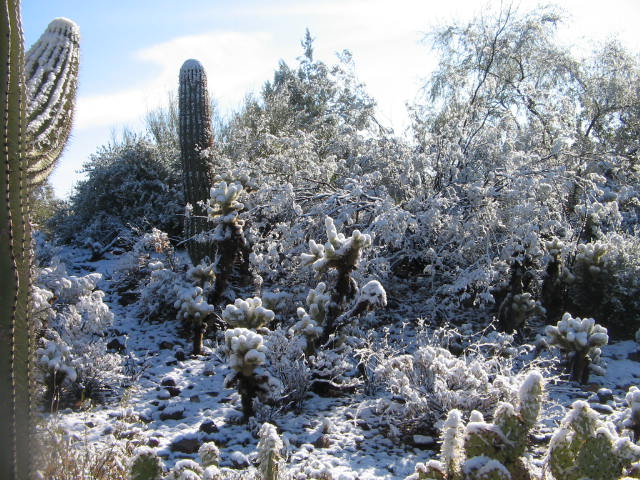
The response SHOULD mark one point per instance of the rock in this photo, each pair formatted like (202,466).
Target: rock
(323,441)
(165,345)
(605,395)
(194,398)
(185,445)
(208,426)
(173,391)
(208,372)
(423,441)
(239,460)
(163,395)
(90,424)
(172,414)
(168,382)
(180,356)
(153,442)
(602,408)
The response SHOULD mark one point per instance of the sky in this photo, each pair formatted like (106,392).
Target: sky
(131,51)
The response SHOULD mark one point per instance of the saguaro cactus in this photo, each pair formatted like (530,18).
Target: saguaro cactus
(195,136)
(28,113)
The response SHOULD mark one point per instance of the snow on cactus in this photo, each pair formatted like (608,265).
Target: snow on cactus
(338,252)
(586,447)
(269,452)
(247,353)
(193,309)
(632,420)
(310,323)
(209,454)
(223,209)
(186,470)
(579,340)
(145,465)
(248,314)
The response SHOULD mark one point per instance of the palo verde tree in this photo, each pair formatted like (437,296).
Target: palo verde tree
(38,94)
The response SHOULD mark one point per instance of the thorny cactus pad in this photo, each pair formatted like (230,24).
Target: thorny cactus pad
(586,447)
(247,313)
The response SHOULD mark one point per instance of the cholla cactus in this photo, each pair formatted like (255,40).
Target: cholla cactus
(202,275)
(269,452)
(223,210)
(632,420)
(553,289)
(145,465)
(186,470)
(339,252)
(194,309)
(311,323)
(247,352)
(247,313)
(432,470)
(209,454)
(585,447)
(579,340)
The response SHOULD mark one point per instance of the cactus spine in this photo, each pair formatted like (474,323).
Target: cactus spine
(26,160)
(195,136)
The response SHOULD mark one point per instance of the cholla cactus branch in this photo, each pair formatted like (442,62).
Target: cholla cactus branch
(579,340)
(248,314)
(145,465)
(269,452)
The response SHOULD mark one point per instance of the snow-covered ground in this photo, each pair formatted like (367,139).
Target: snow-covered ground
(175,402)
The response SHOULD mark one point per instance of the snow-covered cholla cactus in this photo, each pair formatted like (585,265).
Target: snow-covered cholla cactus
(202,275)
(632,415)
(310,323)
(247,353)
(223,210)
(579,340)
(209,454)
(269,452)
(186,469)
(586,447)
(193,309)
(145,465)
(487,451)
(339,252)
(247,313)
(342,254)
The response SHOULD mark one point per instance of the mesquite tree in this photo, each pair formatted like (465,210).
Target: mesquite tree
(195,137)
(38,100)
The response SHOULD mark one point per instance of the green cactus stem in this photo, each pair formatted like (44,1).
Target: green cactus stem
(195,137)
(51,70)
(18,174)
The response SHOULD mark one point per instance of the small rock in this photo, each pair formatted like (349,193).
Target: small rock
(423,441)
(165,345)
(108,430)
(209,372)
(172,414)
(605,395)
(180,356)
(208,426)
(173,391)
(163,395)
(363,425)
(323,441)
(185,445)
(213,394)
(90,424)
(602,408)
(194,398)
(168,382)
(171,363)
(153,442)
(239,460)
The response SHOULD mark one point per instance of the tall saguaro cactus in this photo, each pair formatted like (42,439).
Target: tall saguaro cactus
(195,136)
(29,107)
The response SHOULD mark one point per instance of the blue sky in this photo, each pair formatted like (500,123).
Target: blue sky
(131,51)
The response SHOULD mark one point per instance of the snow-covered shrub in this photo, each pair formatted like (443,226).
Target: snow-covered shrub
(269,452)
(483,451)
(128,184)
(579,341)
(424,385)
(584,446)
(145,465)
(287,362)
(605,284)
(72,355)
(247,313)
(631,419)
(247,353)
